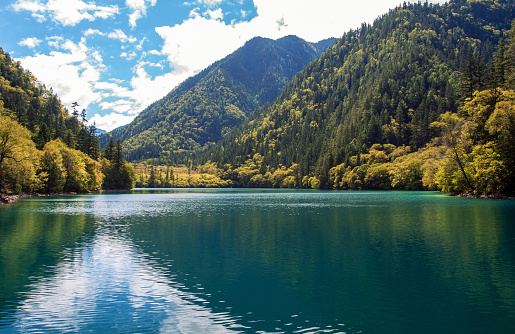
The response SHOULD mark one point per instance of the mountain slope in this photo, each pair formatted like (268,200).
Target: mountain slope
(207,106)
(383,84)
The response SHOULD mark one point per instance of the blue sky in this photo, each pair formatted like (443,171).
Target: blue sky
(115,57)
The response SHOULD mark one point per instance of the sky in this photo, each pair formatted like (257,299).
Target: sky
(116,57)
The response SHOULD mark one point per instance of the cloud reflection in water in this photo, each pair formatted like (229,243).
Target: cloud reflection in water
(107,286)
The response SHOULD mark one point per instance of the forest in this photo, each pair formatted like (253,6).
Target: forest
(43,149)
(421,99)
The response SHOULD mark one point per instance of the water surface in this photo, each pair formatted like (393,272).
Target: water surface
(258,261)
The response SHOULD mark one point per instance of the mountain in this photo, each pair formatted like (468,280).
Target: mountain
(382,84)
(206,107)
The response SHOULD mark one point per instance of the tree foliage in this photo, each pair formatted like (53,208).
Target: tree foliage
(18,157)
(119,173)
(42,148)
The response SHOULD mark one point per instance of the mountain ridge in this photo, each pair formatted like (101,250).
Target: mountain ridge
(209,105)
(384,84)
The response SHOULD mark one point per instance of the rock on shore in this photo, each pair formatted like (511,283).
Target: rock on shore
(6,199)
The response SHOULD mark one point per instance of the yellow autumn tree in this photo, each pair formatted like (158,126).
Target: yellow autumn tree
(19,158)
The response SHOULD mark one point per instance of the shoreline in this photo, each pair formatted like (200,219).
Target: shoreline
(10,199)
(491,196)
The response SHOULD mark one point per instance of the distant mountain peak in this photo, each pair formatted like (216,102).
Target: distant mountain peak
(210,104)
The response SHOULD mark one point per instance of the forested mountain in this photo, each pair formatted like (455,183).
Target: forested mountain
(207,106)
(378,89)
(42,147)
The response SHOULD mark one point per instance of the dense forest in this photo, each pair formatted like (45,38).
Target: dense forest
(43,148)
(420,99)
(209,105)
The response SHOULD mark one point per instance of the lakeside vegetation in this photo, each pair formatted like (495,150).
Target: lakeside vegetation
(44,149)
(154,175)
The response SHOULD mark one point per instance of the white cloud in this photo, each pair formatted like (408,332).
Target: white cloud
(31,6)
(139,8)
(54,41)
(156,65)
(146,90)
(119,81)
(140,45)
(120,35)
(119,106)
(91,31)
(30,42)
(134,17)
(198,42)
(128,56)
(210,2)
(114,88)
(215,14)
(66,12)
(110,121)
(194,12)
(71,74)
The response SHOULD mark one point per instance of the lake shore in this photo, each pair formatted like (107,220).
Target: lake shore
(491,196)
(10,199)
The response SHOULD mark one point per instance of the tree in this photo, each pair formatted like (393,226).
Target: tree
(83,117)
(118,173)
(472,75)
(152,178)
(498,67)
(510,58)
(109,150)
(94,146)
(455,133)
(18,157)
(52,171)
(501,124)
(75,112)
(43,136)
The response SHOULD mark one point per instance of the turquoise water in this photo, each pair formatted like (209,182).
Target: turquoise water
(257,261)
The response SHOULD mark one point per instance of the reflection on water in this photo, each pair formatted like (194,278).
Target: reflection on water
(109,286)
(249,261)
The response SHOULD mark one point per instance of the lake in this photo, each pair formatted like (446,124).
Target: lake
(257,261)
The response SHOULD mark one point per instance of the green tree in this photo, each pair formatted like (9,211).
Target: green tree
(44,136)
(118,173)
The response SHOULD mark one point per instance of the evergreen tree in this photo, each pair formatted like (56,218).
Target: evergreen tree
(119,174)
(94,146)
(83,115)
(75,112)
(43,136)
